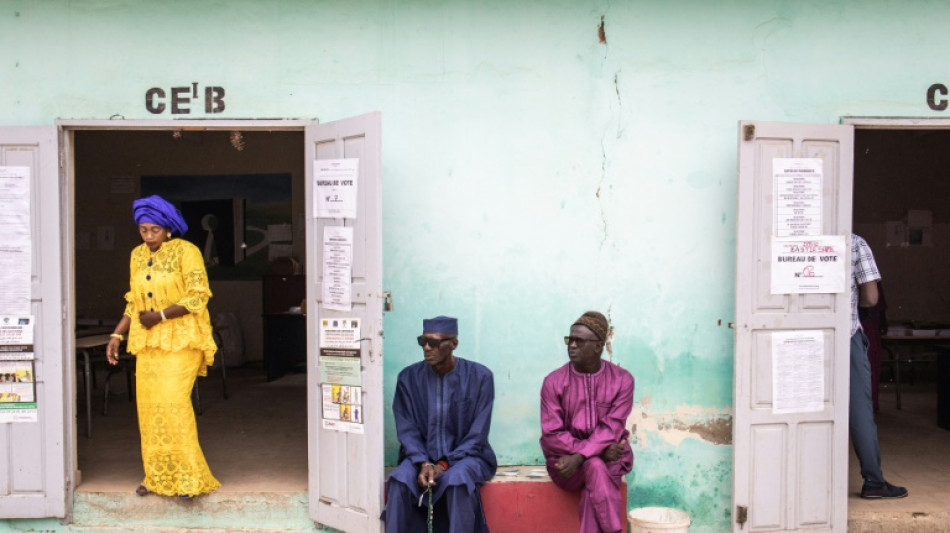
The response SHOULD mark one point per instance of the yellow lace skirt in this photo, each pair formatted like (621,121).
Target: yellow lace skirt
(171,456)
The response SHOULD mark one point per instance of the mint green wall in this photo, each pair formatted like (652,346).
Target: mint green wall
(531,172)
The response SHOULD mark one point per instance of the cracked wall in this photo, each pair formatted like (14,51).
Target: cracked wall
(539,159)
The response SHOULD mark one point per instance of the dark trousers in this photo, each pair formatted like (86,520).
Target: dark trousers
(456,511)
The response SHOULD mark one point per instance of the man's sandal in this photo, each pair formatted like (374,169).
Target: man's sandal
(141,490)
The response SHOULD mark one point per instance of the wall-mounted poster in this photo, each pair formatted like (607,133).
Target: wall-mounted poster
(230,218)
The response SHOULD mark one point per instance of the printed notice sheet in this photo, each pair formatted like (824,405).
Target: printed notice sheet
(798,371)
(17,391)
(340,336)
(337,287)
(797,195)
(342,408)
(16,259)
(335,190)
(17,370)
(16,338)
(808,266)
(340,351)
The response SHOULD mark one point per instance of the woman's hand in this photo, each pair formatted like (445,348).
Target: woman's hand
(149,318)
(112,351)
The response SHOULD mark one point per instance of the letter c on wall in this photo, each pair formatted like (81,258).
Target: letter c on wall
(932,101)
(151,105)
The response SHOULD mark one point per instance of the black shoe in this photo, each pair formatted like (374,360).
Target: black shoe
(884,491)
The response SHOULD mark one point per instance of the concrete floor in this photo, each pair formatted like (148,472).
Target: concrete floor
(915,453)
(255,442)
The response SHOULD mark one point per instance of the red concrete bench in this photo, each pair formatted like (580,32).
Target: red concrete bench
(533,504)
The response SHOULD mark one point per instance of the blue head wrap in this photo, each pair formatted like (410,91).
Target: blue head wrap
(156,210)
(441,324)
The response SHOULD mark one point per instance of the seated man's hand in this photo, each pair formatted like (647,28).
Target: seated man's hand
(567,466)
(614,451)
(428,474)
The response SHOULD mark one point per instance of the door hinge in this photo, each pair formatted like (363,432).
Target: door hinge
(748,132)
(387,301)
(742,514)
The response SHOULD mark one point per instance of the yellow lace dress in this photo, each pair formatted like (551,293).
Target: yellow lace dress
(169,357)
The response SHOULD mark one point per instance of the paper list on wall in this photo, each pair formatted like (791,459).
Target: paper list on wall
(798,371)
(337,287)
(797,186)
(16,259)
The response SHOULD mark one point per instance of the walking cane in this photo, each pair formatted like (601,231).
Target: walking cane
(423,495)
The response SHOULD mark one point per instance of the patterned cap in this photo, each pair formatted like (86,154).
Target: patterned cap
(595,322)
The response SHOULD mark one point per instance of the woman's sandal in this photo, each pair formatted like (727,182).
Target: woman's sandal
(141,490)
(186,497)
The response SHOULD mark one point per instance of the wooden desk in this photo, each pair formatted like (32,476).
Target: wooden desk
(940,344)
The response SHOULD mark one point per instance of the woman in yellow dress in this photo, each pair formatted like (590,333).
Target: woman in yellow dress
(169,331)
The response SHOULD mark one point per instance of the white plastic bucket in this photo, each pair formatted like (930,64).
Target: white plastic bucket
(658,519)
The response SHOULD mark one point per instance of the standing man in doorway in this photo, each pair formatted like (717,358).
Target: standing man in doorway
(584,409)
(442,408)
(864,293)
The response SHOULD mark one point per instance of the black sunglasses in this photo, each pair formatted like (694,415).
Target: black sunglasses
(430,342)
(579,341)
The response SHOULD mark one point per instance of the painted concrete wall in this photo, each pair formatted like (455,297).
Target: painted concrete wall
(534,166)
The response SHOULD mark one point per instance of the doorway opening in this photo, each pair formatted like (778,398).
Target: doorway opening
(902,208)
(242,192)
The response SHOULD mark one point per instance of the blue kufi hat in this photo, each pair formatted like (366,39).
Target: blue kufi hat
(441,324)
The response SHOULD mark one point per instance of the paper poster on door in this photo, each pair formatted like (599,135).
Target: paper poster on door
(340,351)
(337,287)
(17,391)
(797,188)
(335,187)
(798,371)
(342,408)
(16,258)
(809,266)
(340,337)
(17,369)
(16,338)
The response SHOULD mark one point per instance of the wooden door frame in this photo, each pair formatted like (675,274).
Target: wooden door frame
(66,129)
